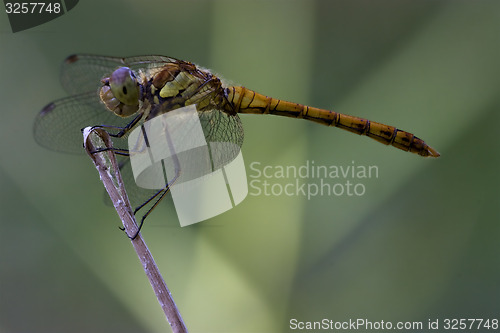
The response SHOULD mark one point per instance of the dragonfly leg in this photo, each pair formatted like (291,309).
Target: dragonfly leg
(126,129)
(161,195)
(121,131)
(158,196)
(117,151)
(145,203)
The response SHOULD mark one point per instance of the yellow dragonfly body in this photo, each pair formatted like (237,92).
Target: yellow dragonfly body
(143,87)
(120,94)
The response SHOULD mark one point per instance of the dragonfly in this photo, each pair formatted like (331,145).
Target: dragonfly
(122,93)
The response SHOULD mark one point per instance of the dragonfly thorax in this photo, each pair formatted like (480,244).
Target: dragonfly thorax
(120,92)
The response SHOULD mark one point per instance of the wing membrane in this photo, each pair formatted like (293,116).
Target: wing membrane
(58,126)
(83,73)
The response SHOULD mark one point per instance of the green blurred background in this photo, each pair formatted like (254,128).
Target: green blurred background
(421,243)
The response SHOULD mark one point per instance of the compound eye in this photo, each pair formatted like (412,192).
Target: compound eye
(124,86)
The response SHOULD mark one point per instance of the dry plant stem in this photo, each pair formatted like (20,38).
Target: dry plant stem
(105,162)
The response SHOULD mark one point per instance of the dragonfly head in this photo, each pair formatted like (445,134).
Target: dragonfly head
(120,92)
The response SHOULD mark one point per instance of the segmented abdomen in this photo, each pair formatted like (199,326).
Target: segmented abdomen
(244,100)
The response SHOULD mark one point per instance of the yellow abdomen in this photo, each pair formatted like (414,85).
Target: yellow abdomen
(247,101)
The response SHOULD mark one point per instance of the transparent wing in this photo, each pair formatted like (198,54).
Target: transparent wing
(58,126)
(83,73)
(224,134)
(219,126)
